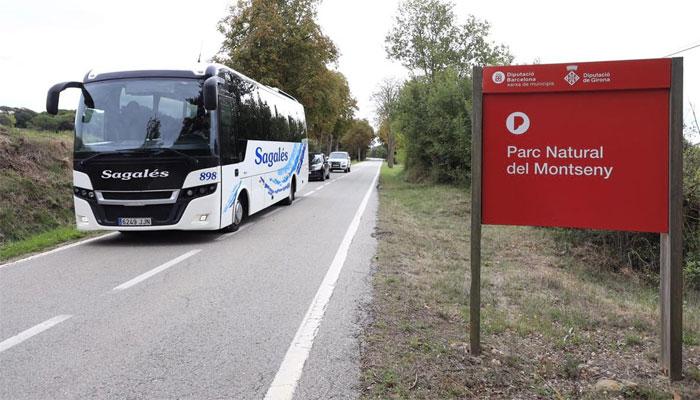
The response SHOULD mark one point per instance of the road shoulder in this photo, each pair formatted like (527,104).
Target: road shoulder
(332,370)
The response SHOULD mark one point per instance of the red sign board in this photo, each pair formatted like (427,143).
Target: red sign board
(577,145)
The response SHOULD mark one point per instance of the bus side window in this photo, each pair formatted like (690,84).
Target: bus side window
(246,124)
(264,120)
(227,136)
(293,129)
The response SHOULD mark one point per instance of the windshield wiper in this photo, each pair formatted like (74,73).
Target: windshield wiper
(154,150)
(82,162)
(160,150)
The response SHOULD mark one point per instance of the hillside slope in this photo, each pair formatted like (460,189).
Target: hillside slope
(35,182)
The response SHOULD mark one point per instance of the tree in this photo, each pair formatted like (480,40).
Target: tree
(22,115)
(331,106)
(66,120)
(432,112)
(358,137)
(7,119)
(426,38)
(433,117)
(378,151)
(63,121)
(279,43)
(276,41)
(44,122)
(476,50)
(385,99)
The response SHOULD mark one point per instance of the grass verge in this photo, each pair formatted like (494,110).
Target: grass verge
(39,242)
(552,325)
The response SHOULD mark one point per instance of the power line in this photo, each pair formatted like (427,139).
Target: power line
(681,51)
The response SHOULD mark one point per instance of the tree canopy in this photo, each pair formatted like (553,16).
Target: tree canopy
(279,43)
(330,106)
(434,120)
(26,118)
(385,100)
(432,109)
(7,119)
(22,115)
(426,38)
(358,137)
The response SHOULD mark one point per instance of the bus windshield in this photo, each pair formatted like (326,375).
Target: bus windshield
(137,114)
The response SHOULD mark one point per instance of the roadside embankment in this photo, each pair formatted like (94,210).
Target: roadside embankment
(554,325)
(36,206)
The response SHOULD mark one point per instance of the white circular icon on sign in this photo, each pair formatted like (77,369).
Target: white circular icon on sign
(498,77)
(517,123)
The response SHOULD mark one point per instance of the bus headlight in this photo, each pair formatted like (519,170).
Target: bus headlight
(198,191)
(86,194)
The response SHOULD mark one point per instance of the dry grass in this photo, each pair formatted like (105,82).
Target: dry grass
(35,183)
(552,324)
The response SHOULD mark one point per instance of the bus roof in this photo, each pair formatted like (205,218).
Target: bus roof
(200,70)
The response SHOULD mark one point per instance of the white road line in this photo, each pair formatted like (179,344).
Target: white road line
(285,382)
(57,249)
(321,187)
(35,330)
(156,270)
(337,179)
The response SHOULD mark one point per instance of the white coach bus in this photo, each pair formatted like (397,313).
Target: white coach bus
(197,149)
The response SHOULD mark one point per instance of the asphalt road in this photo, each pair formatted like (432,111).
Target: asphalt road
(197,315)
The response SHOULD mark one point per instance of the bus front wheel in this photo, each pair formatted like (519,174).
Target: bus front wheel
(237,218)
(290,199)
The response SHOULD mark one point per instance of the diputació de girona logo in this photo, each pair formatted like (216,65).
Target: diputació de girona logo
(517,123)
(498,77)
(571,77)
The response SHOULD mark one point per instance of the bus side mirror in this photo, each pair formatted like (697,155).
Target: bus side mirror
(210,92)
(55,92)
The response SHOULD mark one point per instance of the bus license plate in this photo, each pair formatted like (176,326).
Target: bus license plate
(134,221)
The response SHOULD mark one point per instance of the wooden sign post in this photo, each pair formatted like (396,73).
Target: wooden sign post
(475,238)
(583,145)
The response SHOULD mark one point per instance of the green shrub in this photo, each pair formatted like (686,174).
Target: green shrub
(640,251)
(378,151)
(7,119)
(22,115)
(63,121)
(691,212)
(433,118)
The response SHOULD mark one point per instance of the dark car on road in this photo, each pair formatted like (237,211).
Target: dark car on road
(319,167)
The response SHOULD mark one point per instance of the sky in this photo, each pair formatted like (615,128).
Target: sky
(43,42)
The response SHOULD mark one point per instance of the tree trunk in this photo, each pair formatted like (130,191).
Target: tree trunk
(390,145)
(330,144)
